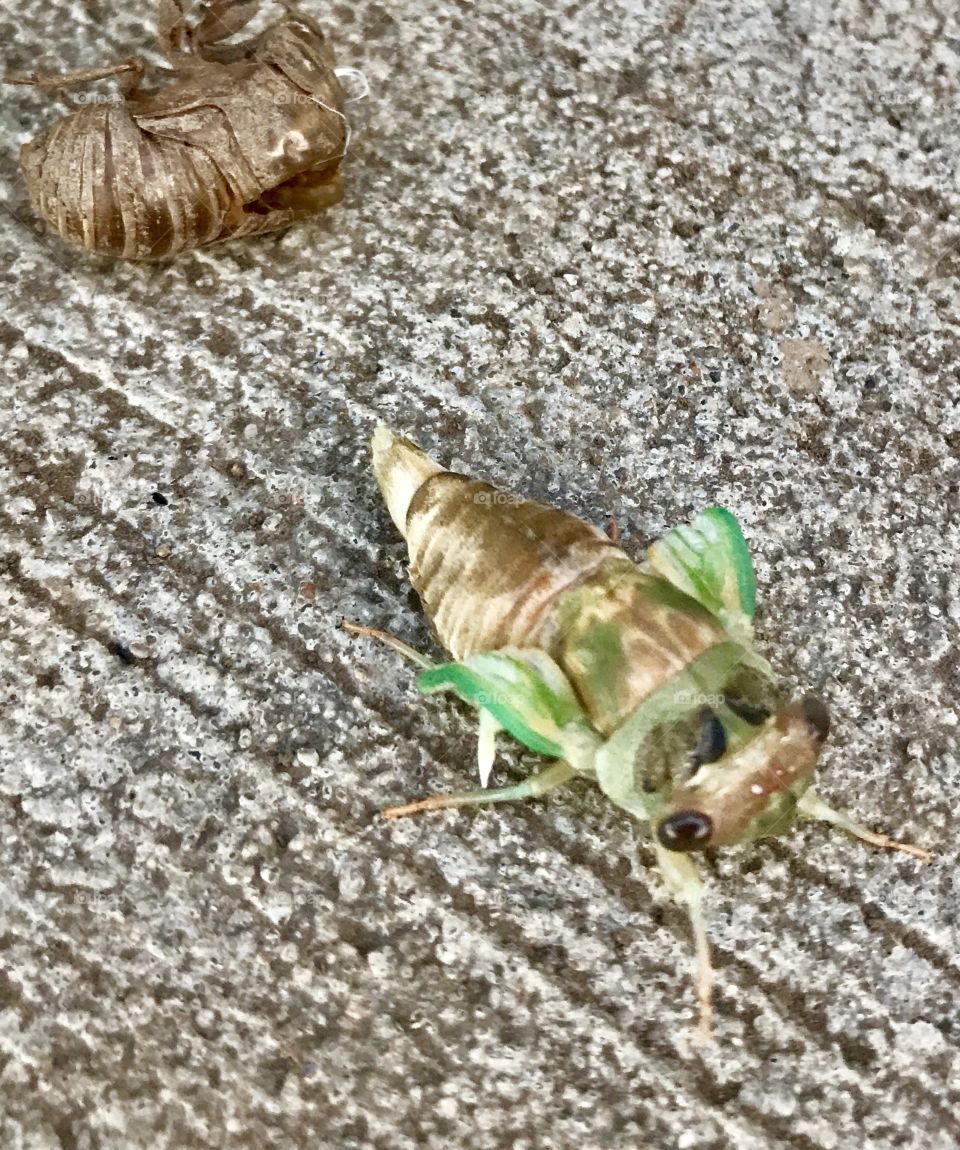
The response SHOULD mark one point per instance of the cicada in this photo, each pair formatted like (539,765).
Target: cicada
(233,139)
(643,677)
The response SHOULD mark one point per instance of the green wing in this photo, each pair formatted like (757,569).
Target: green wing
(709,561)
(526,693)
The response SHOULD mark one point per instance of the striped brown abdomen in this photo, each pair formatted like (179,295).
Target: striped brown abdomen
(494,570)
(103,182)
(488,566)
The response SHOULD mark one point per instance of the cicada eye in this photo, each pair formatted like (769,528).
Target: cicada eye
(685,831)
(712,743)
(817,716)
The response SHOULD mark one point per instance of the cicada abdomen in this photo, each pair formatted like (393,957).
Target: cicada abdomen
(243,139)
(493,571)
(642,677)
(453,524)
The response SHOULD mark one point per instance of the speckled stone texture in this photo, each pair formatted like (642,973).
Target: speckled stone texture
(631,258)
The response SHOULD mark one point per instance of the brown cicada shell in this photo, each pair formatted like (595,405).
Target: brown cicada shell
(233,139)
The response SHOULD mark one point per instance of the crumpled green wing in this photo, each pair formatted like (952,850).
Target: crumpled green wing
(527,694)
(708,560)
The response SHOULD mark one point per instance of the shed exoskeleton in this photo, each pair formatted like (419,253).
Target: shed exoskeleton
(642,677)
(233,139)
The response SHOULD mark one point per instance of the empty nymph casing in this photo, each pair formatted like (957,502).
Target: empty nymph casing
(643,677)
(232,139)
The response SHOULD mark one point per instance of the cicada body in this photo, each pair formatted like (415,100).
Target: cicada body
(641,677)
(242,139)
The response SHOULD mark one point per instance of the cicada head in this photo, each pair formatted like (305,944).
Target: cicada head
(753,772)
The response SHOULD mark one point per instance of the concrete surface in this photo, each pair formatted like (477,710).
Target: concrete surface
(633,258)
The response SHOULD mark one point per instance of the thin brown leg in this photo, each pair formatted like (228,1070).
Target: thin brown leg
(221,20)
(811,806)
(389,640)
(132,69)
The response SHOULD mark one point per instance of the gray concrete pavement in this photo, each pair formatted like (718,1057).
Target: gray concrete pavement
(629,258)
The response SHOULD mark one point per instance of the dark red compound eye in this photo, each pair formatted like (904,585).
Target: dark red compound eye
(685,831)
(817,716)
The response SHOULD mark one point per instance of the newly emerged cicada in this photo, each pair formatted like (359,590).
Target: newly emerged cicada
(641,677)
(233,139)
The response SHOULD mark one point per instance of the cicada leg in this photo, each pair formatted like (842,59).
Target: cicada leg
(682,880)
(131,72)
(385,637)
(217,21)
(220,20)
(172,28)
(553,776)
(811,806)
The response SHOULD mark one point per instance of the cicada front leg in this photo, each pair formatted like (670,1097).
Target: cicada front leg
(682,880)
